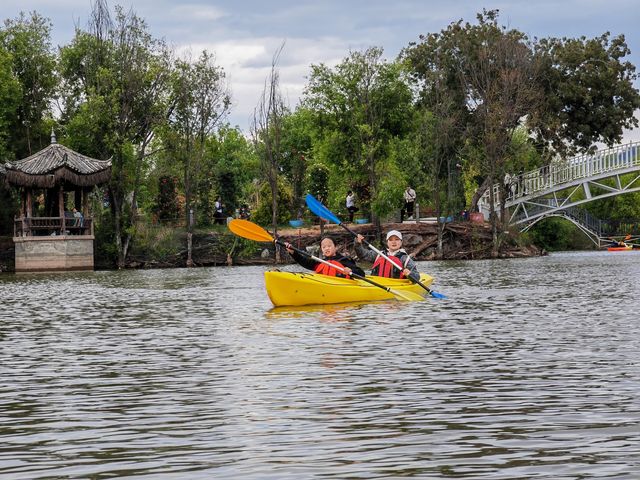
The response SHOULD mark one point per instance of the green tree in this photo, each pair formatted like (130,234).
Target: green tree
(361,106)
(10,93)
(297,142)
(118,77)
(28,39)
(589,93)
(263,213)
(498,78)
(441,121)
(267,132)
(556,234)
(230,169)
(317,181)
(199,101)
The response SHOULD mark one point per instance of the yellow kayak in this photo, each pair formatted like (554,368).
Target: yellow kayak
(301,288)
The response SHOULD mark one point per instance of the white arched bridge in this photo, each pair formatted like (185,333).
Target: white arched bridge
(559,188)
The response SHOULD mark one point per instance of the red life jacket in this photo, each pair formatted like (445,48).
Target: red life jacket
(325,269)
(383,268)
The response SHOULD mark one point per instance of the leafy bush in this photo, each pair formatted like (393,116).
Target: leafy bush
(158,241)
(317,181)
(555,234)
(263,214)
(106,252)
(167,207)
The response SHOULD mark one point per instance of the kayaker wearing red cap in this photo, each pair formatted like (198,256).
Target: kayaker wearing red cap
(381,266)
(330,254)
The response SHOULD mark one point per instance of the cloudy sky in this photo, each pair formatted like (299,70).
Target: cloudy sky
(245,34)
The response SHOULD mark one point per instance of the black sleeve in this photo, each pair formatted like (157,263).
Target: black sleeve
(348,262)
(306,262)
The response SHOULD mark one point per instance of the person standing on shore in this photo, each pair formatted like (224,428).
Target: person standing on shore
(218,214)
(351,205)
(409,202)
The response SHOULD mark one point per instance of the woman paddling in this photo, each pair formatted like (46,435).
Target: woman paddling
(330,254)
(381,266)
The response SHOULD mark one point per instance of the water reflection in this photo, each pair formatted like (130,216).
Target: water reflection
(530,369)
(331,312)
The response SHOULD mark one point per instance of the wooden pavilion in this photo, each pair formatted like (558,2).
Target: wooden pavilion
(48,234)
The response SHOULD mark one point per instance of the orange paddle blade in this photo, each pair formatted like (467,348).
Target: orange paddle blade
(249,230)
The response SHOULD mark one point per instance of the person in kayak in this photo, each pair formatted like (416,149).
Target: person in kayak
(617,243)
(381,266)
(330,254)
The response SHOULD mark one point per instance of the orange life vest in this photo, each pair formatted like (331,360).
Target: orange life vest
(383,268)
(325,269)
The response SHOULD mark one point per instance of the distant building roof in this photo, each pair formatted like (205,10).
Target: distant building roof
(56,164)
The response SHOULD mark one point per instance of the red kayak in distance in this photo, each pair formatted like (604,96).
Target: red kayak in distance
(620,249)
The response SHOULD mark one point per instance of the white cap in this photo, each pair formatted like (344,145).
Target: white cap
(394,232)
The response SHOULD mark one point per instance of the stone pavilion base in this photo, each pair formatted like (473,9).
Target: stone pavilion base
(54,253)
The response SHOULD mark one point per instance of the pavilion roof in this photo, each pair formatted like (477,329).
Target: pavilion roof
(56,164)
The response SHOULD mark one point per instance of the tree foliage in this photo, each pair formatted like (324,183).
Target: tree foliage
(10,92)
(485,74)
(199,101)
(360,106)
(267,132)
(588,90)
(118,77)
(28,40)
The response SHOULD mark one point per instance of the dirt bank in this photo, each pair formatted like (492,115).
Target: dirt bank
(461,241)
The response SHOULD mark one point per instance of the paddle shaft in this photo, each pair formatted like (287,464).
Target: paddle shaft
(332,265)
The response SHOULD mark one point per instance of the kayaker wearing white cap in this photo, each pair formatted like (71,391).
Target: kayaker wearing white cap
(381,266)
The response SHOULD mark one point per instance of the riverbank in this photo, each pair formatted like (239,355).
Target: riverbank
(461,241)
(219,247)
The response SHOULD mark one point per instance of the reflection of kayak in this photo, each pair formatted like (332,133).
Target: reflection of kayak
(300,288)
(620,249)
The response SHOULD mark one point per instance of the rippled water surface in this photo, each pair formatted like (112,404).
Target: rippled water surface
(529,370)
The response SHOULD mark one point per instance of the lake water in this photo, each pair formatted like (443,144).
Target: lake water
(531,369)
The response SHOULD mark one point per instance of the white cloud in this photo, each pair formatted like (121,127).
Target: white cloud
(196,12)
(247,63)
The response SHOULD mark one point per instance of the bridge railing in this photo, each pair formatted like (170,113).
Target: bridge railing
(620,227)
(47,226)
(565,171)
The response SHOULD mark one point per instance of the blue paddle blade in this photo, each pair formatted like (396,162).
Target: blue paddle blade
(320,210)
(437,295)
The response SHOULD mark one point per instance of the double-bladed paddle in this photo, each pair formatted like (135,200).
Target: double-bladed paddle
(323,212)
(251,231)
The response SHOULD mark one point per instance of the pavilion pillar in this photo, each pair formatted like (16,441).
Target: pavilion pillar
(61,209)
(23,202)
(28,207)
(61,201)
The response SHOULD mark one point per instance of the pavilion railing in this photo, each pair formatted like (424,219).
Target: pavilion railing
(52,226)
